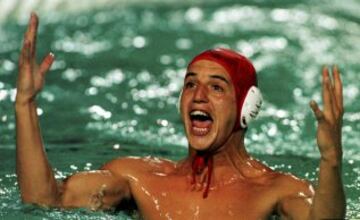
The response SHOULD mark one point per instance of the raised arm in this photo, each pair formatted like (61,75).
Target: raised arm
(329,199)
(36,180)
(100,189)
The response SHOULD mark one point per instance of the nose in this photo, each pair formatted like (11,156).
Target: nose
(200,95)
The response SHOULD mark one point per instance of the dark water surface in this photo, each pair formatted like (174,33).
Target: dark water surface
(119,67)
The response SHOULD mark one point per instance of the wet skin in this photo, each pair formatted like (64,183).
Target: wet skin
(241,187)
(162,189)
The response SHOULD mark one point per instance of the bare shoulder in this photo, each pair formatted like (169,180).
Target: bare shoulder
(113,182)
(293,195)
(284,184)
(289,185)
(138,165)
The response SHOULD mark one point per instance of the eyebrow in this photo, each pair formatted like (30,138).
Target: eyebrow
(189,74)
(220,77)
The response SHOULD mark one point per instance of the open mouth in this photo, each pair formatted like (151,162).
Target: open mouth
(201,122)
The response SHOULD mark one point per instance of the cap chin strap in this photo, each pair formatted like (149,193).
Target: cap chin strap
(200,162)
(251,106)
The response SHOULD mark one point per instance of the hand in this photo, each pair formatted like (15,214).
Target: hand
(330,118)
(31,75)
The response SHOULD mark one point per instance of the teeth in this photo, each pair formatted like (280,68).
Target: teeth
(198,112)
(200,129)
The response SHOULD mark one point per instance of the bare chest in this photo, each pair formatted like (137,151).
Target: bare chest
(173,197)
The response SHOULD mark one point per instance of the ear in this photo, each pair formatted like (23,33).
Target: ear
(251,106)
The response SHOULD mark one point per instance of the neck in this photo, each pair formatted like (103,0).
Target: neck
(226,164)
(232,150)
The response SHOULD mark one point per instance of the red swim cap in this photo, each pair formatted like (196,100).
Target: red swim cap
(240,69)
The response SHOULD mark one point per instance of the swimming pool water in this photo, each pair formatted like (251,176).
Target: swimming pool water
(119,66)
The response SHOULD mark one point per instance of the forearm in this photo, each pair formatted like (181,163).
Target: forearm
(35,177)
(329,199)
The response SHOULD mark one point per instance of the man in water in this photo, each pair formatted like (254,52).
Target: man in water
(217,180)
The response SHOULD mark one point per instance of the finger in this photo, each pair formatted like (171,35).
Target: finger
(338,88)
(23,53)
(319,115)
(333,101)
(326,91)
(33,35)
(46,64)
(25,45)
(24,61)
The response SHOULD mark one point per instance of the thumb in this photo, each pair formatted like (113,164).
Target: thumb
(46,63)
(319,115)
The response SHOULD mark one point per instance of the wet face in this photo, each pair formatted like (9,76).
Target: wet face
(208,105)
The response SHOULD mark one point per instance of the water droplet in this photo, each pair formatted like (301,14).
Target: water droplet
(139,42)
(116,146)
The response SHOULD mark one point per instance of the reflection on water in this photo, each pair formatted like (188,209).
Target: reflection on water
(115,83)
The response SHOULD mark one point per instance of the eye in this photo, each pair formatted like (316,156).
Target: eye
(217,88)
(189,85)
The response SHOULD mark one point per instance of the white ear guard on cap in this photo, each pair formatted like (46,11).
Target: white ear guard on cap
(251,106)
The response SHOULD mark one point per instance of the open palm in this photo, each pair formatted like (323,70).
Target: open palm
(330,118)
(31,75)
